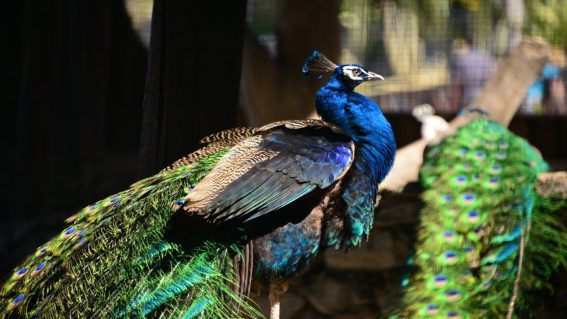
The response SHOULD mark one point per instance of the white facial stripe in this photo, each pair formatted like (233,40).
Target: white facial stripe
(350,70)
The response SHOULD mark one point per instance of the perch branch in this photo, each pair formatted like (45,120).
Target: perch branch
(552,184)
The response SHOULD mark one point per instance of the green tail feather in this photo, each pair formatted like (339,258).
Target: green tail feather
(113,261)
(481,209)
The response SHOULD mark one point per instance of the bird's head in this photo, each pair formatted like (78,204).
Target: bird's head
(351,75)
(354,74)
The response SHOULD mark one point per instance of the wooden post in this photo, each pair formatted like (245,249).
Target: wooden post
(501,97)
(193,77)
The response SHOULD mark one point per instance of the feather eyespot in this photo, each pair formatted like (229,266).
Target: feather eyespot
(432,309)
(493,182)
(468,198)
(81,242)
(453,315)
(68,232)
(20,273)
(452,295)
(79,235)
(450,257)
(495,169)
(473,216)
(460,180)
(113,201)
(469,253)
(41,251)
(440,281)
(39,268)
(16,301)
(449,236)
(177,204)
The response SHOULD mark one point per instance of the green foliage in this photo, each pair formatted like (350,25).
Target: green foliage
(547,19)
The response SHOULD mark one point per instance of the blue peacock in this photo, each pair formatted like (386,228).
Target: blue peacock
(485,233)
(252,204)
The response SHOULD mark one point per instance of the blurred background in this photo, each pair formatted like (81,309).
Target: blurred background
(97,94)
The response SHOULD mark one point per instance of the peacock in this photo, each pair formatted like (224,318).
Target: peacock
(484,232)
(252,205)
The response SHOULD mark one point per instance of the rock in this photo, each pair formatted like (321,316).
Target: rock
(362,260)
(327,295)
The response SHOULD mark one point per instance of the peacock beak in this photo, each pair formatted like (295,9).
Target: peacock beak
(373,76)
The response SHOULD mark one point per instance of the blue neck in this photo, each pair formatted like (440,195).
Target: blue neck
(361,118)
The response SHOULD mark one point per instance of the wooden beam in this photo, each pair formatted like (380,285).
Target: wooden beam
(552,184)
(501,97)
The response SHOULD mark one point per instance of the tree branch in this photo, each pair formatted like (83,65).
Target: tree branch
(552,184)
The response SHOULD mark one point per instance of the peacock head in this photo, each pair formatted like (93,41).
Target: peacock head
(351,75)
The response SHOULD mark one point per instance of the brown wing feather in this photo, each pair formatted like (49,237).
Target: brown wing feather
(263,173)
(228,138)
(214,143)
(235,135)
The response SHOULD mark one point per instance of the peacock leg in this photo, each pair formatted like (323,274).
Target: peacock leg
(277,289)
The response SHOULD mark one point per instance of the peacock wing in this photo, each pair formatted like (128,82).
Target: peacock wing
(281,163)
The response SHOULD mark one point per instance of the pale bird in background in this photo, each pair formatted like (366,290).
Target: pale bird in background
(433,127)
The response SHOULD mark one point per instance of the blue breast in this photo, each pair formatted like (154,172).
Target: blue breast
(361,118)
(287,250)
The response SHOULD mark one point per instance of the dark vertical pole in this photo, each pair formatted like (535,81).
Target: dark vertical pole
(38,105)
(72,94)
(193,76)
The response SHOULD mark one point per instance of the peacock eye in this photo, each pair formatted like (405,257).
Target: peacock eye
(356,72)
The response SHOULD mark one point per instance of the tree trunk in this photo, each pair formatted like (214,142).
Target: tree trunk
(275,89)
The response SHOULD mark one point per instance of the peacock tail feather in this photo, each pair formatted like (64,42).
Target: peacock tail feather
(485,233)
(113,260)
